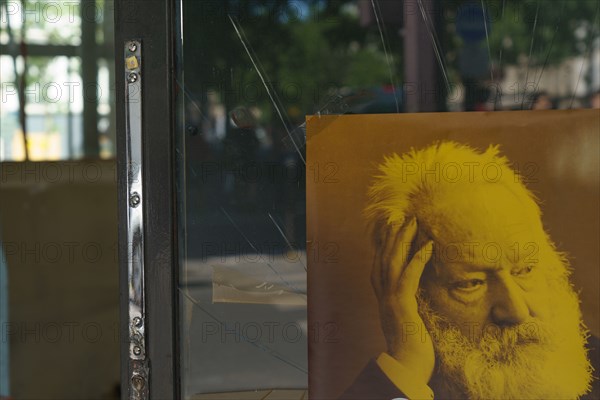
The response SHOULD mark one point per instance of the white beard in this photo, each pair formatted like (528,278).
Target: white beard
(537,360)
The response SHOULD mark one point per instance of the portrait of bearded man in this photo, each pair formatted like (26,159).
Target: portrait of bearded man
(475,301)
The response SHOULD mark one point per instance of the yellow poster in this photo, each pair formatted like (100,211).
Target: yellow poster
(454,256)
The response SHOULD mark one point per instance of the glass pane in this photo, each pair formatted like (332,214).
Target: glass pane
(102,15)
(106,111)
(250,72)
(9,120)
(39,39)
(3,25)
(43,22)
(54,103)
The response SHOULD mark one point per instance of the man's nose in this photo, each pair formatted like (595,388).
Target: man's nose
(510,306)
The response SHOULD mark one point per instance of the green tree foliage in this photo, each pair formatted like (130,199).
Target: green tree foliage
(304,49)
(552,30)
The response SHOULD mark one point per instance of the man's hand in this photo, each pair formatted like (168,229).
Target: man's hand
(395,279)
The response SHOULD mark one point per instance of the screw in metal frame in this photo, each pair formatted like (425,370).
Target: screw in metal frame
(135,199)
(138,382)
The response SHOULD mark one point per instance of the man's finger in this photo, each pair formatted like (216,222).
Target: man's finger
(388,247)
(401,250)
(385,254)
(409,281)
(376,273)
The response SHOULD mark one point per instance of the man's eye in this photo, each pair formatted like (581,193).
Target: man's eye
(523,271)
(469,285)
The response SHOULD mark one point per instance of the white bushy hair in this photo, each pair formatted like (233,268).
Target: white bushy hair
(408,185)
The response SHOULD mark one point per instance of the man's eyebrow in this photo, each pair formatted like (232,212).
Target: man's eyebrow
(480,267)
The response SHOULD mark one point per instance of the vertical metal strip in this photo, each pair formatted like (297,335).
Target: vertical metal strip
(138,385)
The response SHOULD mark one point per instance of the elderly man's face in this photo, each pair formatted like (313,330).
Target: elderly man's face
(487,269)
(504,320)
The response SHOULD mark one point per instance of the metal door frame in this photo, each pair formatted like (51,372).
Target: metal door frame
(154,24)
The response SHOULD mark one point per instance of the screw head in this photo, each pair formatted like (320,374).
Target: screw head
(192,130)
(138,383)
(134,201)
(132,46)
(132,77)
(137,350)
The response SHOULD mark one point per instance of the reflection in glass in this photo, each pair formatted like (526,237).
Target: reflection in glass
(249,73)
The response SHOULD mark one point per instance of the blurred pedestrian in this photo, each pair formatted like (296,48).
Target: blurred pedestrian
(595,100)
(541,101)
